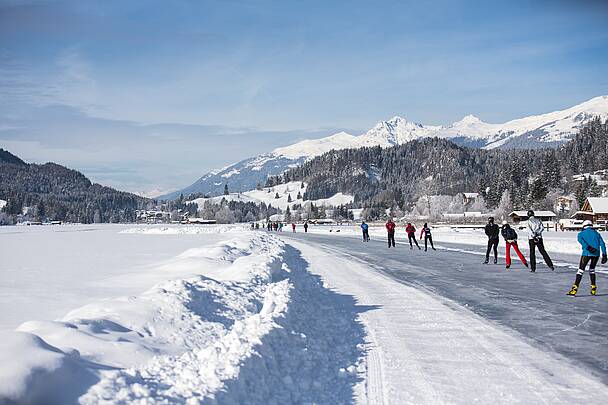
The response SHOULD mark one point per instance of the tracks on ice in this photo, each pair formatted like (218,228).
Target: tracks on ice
(430,350)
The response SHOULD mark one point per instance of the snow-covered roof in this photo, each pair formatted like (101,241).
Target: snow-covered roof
(536,213)
(471,195)
(599,205)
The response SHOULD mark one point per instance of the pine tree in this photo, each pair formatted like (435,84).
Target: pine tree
(299,196)
(277,196)
(289,198)
(226,192)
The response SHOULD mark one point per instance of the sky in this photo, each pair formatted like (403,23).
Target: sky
(147,96)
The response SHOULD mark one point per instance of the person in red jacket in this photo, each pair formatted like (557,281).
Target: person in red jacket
(411,235)
(390,228)
(293,226)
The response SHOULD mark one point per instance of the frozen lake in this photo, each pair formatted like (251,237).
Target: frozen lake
(46,271)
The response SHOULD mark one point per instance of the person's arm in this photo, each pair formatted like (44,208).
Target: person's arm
(603,247)
(421,232)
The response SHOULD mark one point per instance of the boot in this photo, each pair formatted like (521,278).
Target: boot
(508,266)
(593,289)
(573,290)
(495,260)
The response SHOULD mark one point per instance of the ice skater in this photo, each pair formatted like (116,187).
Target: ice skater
(293,227)
(390,229)
(492,232)
(365,230)
(306,227)
(592,242)
(535,238)
(511,242)
(426,231)
(411,235)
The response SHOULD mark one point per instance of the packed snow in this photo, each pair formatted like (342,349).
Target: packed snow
(3,204)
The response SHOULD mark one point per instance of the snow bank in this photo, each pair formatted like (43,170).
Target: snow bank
(249,324)
(216,320)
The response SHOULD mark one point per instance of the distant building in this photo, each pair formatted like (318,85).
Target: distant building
(469,198)
(200,221)
(519,216)
(594,208)
(565,203)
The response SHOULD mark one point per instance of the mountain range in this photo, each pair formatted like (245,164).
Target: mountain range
(537,131)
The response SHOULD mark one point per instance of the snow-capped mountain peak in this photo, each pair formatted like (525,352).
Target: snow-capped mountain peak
(550,129)
(469,119)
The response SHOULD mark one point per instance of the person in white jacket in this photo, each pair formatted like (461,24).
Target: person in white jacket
(535,238)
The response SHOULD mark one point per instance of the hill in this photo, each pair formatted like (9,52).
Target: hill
(398,176)
(54,192)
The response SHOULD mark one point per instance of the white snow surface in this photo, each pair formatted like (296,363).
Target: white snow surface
(2,204)
(267,195)
(240,316)
(180,338)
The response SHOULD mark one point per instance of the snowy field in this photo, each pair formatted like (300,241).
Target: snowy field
(222,314)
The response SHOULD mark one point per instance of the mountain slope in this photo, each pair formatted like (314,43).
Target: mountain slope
(551,129)
(52,191)
(398,176)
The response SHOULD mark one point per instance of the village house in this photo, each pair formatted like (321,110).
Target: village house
(520,216)
(595,209)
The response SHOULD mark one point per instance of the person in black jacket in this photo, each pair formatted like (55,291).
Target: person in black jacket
(492,231)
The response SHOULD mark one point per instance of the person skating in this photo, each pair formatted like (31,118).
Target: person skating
(492,232)
(293,227)
(365,230)
(535,238)
(592,242)
(411,235)
(426,231)
(511,242)
(390,229)
(306,227)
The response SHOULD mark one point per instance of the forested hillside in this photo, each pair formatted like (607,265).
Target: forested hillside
(54,192)
(397,176)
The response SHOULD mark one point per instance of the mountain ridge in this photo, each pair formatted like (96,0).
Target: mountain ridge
(544,130)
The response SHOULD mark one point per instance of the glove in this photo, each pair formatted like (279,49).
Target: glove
(604,259)
(592,250)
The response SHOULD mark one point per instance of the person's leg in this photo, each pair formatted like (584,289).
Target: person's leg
(393,238)
(495,250)
(389,239)
(416,241)
(579,274)
(409,238)
(508,254)
(431,240)
(488,248)
(543,252)
(425,243)
(532,255)
(592,274)
(519,254)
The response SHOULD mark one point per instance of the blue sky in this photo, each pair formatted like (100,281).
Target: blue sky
(150,95)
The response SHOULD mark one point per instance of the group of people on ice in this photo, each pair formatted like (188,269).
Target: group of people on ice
(278,226)
(590,240)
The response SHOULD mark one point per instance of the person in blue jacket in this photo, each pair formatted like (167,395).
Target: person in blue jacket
(365,229)
(591,242)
